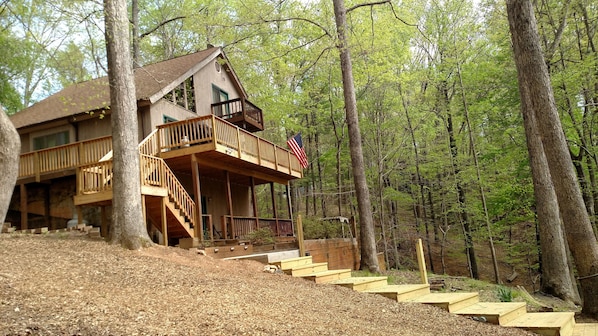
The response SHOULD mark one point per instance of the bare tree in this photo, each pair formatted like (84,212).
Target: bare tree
(369,258)
(128,228)
(533,74)
(9,162)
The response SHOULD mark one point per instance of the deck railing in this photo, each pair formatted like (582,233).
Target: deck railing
(238,142)
(239,108)
(63,157)
(97,177)
(237,227)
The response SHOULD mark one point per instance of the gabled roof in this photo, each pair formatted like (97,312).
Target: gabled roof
(152,82)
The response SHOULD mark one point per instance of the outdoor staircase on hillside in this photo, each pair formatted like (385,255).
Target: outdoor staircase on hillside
(163,191)
(507,314)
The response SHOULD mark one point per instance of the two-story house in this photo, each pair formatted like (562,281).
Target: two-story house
(201,162)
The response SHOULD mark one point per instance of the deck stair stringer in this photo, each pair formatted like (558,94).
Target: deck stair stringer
(401,292)
(546,323)
(306,269)
(494,312)
(361,284)
(327,276)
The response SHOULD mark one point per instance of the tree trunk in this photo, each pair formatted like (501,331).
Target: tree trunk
(369,259)
(128,228)
(533,75)
(556,278)
(9,162)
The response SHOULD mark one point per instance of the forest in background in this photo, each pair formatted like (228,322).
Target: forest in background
(436,86)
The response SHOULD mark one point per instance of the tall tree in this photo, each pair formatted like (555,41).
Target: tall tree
(369,258)
(128,228)
(9,161)
(533,74)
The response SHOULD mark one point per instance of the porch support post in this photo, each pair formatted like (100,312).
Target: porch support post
(254,202)
(198,229)
(229,201)
(24,210)
(289,204)
(163,221)
(144,210)
(274,210)
(47,208)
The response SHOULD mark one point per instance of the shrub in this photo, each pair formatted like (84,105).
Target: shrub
(261,236)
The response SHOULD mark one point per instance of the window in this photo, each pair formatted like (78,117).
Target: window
(166,119)
(51,140)
(183,95)
(220,96)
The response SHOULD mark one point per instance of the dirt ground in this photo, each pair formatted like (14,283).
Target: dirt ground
(62,284)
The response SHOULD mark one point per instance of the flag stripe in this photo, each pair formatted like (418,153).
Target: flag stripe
(296,145)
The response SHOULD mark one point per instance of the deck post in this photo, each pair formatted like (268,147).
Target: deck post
(79,215)
(254,202)
(163,220)
(47,219)
(197,195)
(24,210)
(300,238)
(289,203)
(274,208)
(144,210)
(421,261)
(229,201)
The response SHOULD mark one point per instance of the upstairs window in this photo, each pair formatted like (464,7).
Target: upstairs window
(183,95)
(51,140)
(219,96)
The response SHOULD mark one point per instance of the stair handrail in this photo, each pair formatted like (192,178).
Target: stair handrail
(149,145)
(175,189)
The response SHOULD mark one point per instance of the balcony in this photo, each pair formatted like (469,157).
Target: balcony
(223,146)
(240,112)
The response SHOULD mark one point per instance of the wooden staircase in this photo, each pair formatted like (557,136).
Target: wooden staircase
(507,314)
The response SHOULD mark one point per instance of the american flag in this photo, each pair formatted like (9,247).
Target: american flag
(296,145)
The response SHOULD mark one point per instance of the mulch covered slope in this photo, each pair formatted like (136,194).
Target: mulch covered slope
(70,285)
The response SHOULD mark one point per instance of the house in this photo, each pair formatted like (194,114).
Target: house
(201,162)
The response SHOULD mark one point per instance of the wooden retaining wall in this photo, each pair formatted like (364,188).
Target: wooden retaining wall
(338,253)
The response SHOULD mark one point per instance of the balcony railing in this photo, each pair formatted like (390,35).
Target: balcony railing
(34,164)
(240,112)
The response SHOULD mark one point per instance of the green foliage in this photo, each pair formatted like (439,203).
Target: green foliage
(262,236)
(314,228)
(504,293)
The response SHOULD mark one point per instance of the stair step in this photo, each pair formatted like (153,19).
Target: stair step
(328,276)
(585,329)
(361,284)
(401,292)
(549,323)
(494,312)
(292,262)
(307,269)
(450,302)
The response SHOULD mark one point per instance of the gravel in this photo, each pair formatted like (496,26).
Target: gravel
(58,284)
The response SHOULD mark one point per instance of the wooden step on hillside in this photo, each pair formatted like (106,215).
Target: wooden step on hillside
(328,276)
(548,323)
(450,302)
(494,312)
(307,269)
(361,284)
(401,292)
(292,262)
(585,329)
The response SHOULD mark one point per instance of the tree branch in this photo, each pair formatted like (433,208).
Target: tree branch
(370,4)
(163,23)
